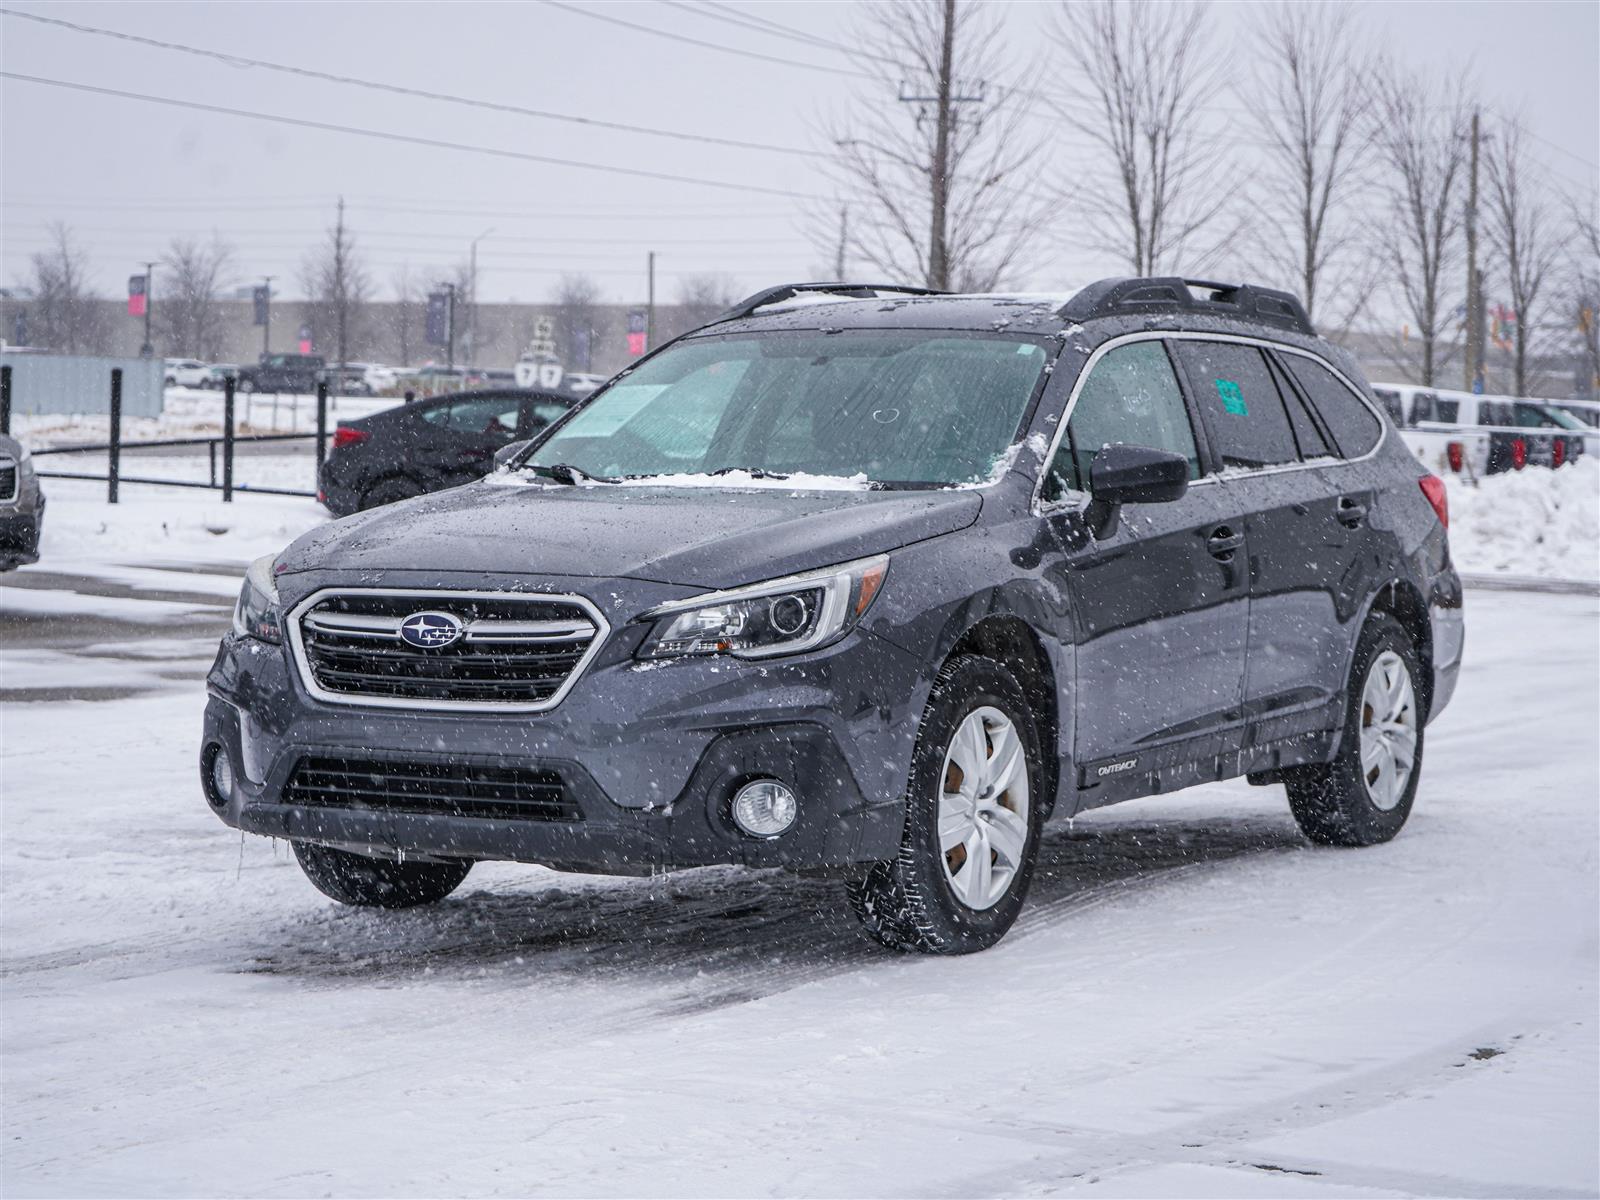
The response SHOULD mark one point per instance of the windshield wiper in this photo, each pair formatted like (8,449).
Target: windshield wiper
(566,473)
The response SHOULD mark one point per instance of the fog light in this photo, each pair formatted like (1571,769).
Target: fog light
(221,777)
(764,808)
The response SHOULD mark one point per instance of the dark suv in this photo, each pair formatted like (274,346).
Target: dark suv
(864,580)
(297,373)
(410,449)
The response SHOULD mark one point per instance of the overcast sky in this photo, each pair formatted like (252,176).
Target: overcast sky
(129,175)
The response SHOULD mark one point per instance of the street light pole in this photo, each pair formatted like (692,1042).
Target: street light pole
(266,326)
(148,349)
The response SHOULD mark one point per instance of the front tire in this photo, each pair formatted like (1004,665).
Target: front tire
(975,807)
(1365,794)
(368,882)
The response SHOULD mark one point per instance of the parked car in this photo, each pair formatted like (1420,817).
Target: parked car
(186,372)
(868,586)
(1586,411)
(415,448)
(282,373)
(1477,435)
(433,381)
(380,380)
(348,380)
(21,506)
(216,376)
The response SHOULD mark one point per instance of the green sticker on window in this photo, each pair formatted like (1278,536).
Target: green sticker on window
(1232,398)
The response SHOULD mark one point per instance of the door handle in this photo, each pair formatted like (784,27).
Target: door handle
(1223,542)
(1352,512)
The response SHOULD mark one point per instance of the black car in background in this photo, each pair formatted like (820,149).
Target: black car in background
(436,443)
(283,373)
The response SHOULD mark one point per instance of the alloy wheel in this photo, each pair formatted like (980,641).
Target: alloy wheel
(983,808)
(1388,730)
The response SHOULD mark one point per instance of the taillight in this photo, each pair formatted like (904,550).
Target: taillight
(1433,488)
(345,436)
(1519,453)
(1558,452)
(1456,453)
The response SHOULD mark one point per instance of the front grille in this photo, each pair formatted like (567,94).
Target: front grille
(441,789)
(8,480)
(515,651)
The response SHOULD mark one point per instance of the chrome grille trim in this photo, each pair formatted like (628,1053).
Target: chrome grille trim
(550,635)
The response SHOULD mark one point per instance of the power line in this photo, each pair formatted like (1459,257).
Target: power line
(400,90)
(408,139)
(693,41)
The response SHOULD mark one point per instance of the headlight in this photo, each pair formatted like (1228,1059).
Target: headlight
(256,615)
(785,616)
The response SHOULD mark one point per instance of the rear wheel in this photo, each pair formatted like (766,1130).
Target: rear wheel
(1365,794)
(388,491)
(974,809)
(369,882)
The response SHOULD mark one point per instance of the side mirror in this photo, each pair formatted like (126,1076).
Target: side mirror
(1124,474)
(510,450)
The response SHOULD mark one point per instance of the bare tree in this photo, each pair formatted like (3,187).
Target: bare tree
(66,314)
(934,181)
(337,290)
(1583,291)
(577,320)
(1422,146)
(1145,72)
(408,309)
(1523,232)
(703,297)
(1311,97)
(190,312)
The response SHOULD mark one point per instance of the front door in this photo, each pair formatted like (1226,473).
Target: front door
(1160,606)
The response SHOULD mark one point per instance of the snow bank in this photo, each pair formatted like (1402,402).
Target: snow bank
(1536,523)
(194,412)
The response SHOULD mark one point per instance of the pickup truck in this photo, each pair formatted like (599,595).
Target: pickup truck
(1464,433)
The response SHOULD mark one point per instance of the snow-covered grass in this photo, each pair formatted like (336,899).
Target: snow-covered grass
(1536,523)
(1195,1002)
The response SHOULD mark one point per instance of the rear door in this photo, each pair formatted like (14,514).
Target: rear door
(1160,606)
(1305,523)
(467,430)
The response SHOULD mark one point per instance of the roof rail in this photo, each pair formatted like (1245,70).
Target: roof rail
(852,291)
(1240,301)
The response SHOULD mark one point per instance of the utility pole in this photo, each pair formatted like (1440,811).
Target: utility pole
(266,325)
(472,295)
(844,237)
(945,99)
(1472,368)
(148,349)
(650,303)
(341,299)
(450,326)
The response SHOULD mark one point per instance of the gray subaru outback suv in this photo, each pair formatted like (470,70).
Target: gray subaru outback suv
(868,580)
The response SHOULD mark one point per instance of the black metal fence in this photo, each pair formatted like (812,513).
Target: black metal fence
(220,448)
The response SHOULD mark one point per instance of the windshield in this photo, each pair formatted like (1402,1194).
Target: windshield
(910,408)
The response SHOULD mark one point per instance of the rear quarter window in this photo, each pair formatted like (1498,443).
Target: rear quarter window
(1344,414)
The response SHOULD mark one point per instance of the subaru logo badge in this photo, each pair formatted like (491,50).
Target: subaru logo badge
(431,630)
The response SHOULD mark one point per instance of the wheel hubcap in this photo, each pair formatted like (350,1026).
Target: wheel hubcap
(1388,730)
(983,808)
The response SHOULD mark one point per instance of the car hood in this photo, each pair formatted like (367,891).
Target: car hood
(698,537)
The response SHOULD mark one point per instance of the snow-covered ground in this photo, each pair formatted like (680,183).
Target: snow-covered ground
(1196,1002)
(1535,523)
(196,412)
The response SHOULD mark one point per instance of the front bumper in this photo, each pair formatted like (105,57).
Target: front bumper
(650,755)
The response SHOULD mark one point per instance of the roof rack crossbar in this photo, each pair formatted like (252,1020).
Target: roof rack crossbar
(1170,293)
(853,291)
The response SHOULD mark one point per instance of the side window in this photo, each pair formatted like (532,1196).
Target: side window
(1241,402)
(1390,400)
(1351,422)
(1131,396)
(492,416)
(1308,431)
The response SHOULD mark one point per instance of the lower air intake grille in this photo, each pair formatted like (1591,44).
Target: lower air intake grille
(8,480)
(439,789)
